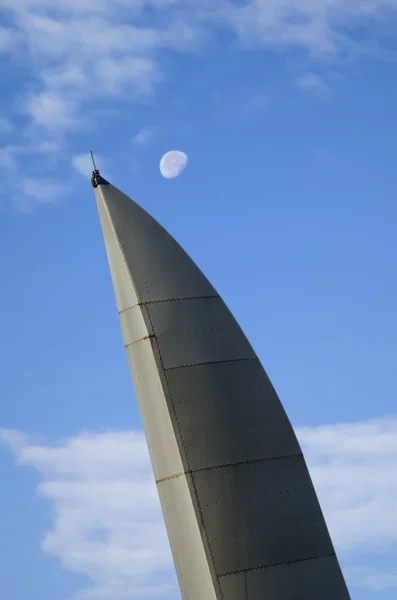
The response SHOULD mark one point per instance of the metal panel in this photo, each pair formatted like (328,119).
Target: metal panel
(242,387)
(261,513)
(319,579)
(161,268)
(185,539)
(197,331)
(270,546)
(237,498)
(229,413)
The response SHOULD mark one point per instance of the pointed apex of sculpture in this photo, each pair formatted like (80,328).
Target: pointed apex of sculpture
(96,178)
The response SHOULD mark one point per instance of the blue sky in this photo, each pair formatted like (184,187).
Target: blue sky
(287,112)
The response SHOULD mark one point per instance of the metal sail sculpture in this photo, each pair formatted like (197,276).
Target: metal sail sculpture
(242,516)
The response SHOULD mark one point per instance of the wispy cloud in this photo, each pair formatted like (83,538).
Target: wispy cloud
(107,521)
(34,191)
(78,56)
(82,163)
(108,524)
(11,154)
(6,39)
(351,466)
(91,48)
(257,102)
(144,137)
(373,579)
(323,27)
(50,110)
(108,46)
(315,83)
(5,126)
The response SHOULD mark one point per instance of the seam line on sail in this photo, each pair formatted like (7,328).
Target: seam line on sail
(235,464)
(168,300)
(211,362)
(176,476)
(277,564)
(145,337)
(180,299)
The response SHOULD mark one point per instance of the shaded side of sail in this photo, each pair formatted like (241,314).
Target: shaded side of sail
(241,512)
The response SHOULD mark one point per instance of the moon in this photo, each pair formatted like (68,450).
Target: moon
(173,163)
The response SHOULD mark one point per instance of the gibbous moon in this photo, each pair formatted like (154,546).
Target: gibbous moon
(172,164)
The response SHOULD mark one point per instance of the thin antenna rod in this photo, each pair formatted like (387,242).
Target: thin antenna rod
(93,160)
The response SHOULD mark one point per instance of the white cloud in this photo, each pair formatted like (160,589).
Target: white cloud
(51,111)
(107,522)
(108,46)
(136,74)
(82,163)
(6,39)
(67,76)
(318,26)
(5,126)
(33,191)
(45,191)
(75,58)
(373,579)
(315,83)
(144,137)
(80,56)
(10,155)
(352,467)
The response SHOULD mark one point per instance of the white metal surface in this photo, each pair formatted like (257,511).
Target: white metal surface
(188,551)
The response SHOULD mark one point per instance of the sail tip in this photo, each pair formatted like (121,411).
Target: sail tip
(96,178)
